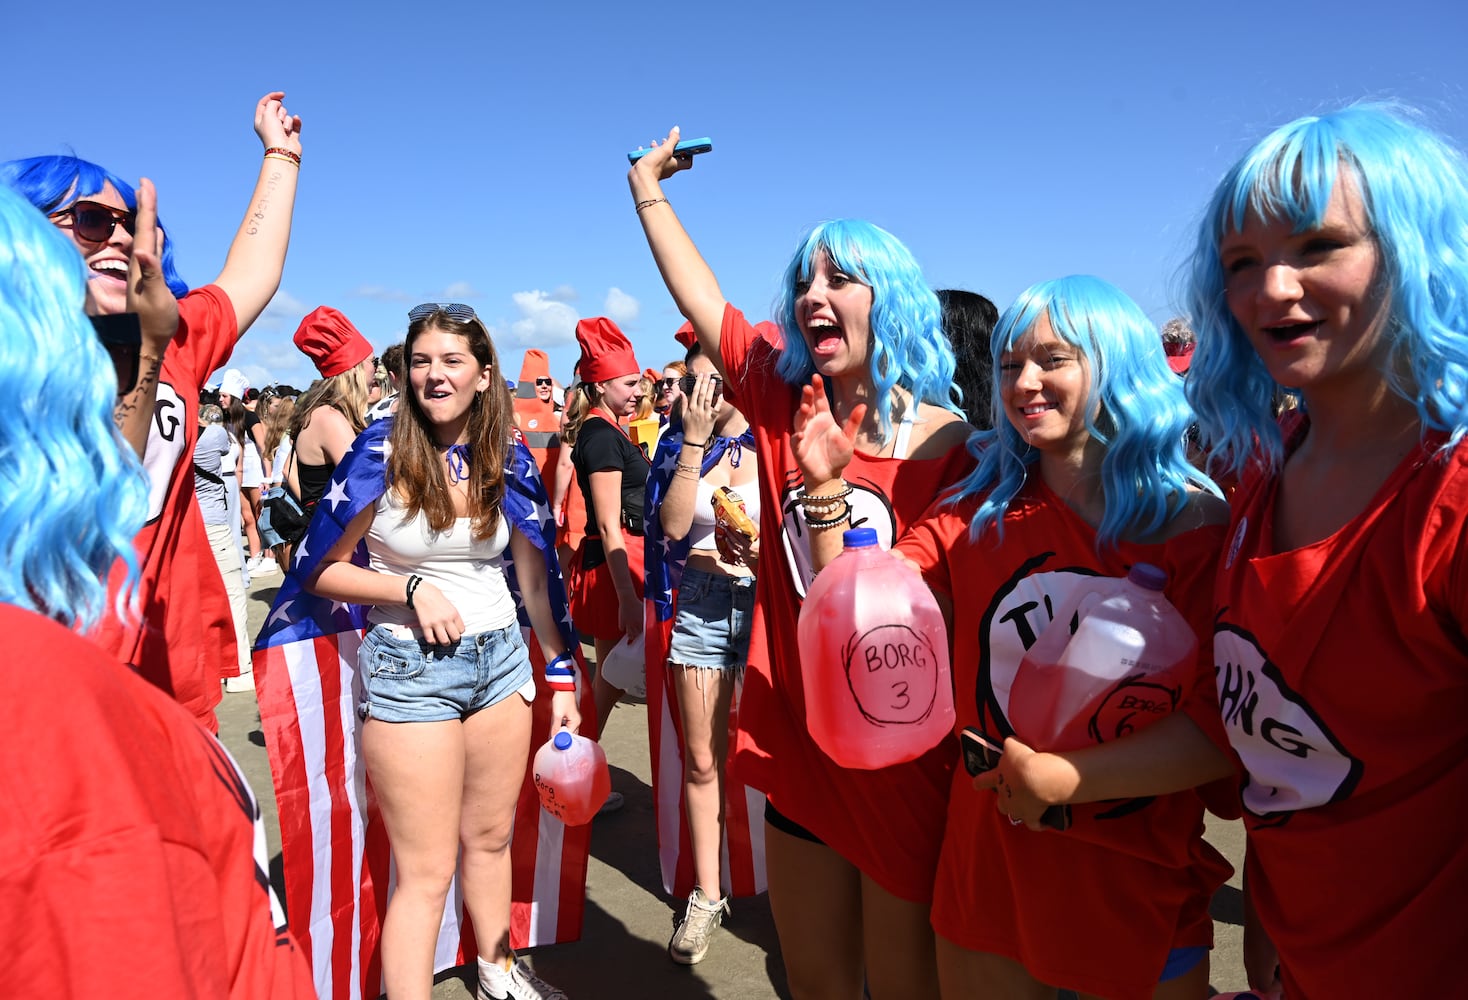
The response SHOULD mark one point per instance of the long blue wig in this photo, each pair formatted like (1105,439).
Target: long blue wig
(909,347)
(1136,409)
(52,182)
(1415,190)
(71,493)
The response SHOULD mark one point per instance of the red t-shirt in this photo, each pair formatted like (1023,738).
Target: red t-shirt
(183,638)
(887,823)
(1097,908)
(135,860)
(1343,683)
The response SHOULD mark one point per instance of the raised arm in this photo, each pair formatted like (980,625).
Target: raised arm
(688,277)
(148,295)
(256,258)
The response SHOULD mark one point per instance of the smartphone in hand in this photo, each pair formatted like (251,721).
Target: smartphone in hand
(688,147)
(981,754)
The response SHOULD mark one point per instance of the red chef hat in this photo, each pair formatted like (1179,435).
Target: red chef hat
(686,336)
(605,351)
(331,342)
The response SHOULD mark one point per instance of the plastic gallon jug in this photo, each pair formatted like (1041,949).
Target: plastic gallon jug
(873,659)
(1123,668)
(571,777)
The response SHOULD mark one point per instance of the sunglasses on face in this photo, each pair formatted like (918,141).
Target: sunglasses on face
(544,381)
(95,222)
(687,382)
(453,310)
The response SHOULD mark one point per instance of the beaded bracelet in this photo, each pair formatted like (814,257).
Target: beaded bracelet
(282,153)
(413,582)
(806,500)
(831,522)
(649,203)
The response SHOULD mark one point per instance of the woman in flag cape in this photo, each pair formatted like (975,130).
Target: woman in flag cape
(702,607)
(451,547)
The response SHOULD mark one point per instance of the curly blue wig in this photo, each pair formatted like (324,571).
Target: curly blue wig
(71,493)
(52,182)
(1137,411)
(909,347)
(1415,190)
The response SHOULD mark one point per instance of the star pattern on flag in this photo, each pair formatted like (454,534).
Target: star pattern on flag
(337,495)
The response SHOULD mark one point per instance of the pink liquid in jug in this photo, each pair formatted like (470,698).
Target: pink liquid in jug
(571,777)
(1122,669)
(874,659)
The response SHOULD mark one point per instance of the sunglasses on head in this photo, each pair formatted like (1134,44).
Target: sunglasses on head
(687,382)
(544,381)
(95,222)
(453,310)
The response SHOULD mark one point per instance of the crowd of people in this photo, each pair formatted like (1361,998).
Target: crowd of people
(1289,454)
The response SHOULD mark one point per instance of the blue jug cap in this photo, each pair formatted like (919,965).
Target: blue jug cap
(1148,576)
(562,740)
(859,538)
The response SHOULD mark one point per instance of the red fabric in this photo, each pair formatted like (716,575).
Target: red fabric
(686,336)
(184,642)
(1095,909)
(330,340)
(1343,682)
(606,353)
(887,823)
(135,861)
(593,594)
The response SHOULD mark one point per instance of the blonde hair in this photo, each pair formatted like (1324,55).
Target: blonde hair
(345,392)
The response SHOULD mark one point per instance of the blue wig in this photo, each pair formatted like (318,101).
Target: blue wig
(52,182)
(908,347)
(1415,190)
(1137,411)
(71,493)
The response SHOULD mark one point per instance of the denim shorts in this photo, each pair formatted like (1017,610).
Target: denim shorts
(409,680)
(714,616)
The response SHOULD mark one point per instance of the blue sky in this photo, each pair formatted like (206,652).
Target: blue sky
(477,152)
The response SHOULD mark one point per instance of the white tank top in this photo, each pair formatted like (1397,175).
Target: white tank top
(469,572)
(701,532)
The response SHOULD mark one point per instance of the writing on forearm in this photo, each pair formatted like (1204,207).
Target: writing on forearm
(257,216)
(143,392)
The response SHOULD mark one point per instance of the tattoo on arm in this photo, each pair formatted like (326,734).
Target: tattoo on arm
(257,216)
(145,389)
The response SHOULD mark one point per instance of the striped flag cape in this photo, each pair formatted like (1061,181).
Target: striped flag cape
(742,862)
(337,860)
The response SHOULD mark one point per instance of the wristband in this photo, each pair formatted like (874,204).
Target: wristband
(413,582)
(282,153)
(560,673)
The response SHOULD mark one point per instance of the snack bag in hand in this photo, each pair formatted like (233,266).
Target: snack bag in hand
(729,517)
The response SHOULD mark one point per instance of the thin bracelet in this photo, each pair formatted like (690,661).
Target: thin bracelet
(701,447)
(413,581)
(649,203)
(830,522)
(805,499)
(291,155)
(282,159)
(686,467)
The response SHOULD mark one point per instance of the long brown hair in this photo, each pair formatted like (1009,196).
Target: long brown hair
(277,425)
(345,392)
(416,467)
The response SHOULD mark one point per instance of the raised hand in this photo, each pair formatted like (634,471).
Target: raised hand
(660,164)
(148,294)
(822,447)
(276,126)
(701,408)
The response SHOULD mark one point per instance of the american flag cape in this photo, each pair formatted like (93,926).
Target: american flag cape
(742,861)
(336,856)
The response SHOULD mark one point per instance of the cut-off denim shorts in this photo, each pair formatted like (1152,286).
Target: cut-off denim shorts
(715,613)
(409,680)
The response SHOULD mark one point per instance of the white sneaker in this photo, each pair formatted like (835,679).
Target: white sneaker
(520,983)
(262,566)
(691,940)
(236,685)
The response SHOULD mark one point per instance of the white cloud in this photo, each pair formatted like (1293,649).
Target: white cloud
(620,307)
(284,309)
(458,291)
(564,293)
(544,320)
(379,293)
